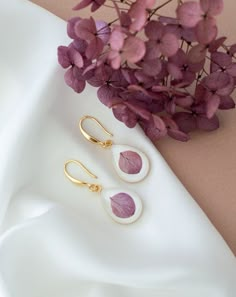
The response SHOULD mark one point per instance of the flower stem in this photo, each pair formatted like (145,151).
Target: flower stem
(157,8)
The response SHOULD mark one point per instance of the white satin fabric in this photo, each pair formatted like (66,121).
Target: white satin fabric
(56,239)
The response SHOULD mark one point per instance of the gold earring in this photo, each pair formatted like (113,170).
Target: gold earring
(123,206)
(131,164)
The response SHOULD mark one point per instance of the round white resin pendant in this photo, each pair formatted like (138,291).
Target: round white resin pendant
(131,164)
(124,207)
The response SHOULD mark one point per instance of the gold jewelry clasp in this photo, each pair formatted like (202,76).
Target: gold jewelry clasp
(105,144)
(92,187)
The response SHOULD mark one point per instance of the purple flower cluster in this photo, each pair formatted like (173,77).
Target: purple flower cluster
(169,74)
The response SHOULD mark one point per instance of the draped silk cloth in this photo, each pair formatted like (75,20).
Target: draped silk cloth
(56,239)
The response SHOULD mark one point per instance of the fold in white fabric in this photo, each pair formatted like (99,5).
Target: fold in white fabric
(56,239)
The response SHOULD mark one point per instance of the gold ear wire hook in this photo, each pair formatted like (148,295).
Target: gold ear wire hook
(105,144)
(92,187)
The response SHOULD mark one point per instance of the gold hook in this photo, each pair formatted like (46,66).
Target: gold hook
(92,187)
(105,144)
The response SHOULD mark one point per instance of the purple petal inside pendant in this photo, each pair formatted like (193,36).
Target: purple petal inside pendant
(123,205)
(130,162)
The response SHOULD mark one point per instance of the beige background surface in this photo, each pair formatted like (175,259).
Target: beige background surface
(206,165)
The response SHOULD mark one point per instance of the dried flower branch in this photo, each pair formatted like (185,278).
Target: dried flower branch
(169,74)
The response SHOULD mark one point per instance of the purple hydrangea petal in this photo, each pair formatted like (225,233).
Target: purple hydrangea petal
(185,121)
(226,103)
(123,205)
(206,124)
(130,162)
(178,135)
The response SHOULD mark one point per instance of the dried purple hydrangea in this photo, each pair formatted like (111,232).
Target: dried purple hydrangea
(171,75)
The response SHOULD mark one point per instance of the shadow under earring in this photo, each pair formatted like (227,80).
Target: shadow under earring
(124,206)
(131,164)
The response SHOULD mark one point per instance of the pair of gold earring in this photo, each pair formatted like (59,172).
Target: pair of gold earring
(132,165)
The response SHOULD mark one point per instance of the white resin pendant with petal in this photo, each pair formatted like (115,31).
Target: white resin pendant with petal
(131,164)
(124,207)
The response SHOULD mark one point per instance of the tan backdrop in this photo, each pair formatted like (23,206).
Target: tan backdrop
(206,165)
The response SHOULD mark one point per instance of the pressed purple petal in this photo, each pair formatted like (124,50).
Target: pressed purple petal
(206,124)
(123,205)
(130,162)
(189,14)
